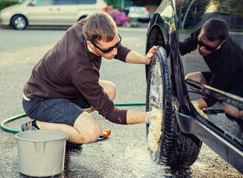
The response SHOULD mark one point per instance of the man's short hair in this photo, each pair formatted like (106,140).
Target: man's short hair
(99,26)
(215,29)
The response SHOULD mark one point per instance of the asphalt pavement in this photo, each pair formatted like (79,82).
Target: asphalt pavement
(125,153)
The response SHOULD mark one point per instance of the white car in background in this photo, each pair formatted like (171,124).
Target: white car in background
(139,12)
(48,12)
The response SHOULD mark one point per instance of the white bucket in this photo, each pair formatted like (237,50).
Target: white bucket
(41,153)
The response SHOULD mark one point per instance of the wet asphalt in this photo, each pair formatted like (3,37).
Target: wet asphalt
(124,153)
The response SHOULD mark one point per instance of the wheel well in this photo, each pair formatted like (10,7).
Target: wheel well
(27,23)
(155,37)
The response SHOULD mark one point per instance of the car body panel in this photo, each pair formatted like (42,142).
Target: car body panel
(42,15)
(49,13)
(163,31)
(6,13)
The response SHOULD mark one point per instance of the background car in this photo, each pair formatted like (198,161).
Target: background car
(139,12)
(48,12)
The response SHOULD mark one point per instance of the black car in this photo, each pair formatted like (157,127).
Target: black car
(178,139)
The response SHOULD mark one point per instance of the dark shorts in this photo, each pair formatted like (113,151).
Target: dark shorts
(55,110)
(207,76)
(236,90)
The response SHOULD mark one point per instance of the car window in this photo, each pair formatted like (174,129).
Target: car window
(66,2)
(86,1)
(60,2)
(41,2)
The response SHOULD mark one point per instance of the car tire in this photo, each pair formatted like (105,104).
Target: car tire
(19,22)
(166,143)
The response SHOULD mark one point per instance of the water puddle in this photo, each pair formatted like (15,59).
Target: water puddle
(143,166)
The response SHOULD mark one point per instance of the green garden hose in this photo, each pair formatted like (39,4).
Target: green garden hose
(11,119)
(24,115)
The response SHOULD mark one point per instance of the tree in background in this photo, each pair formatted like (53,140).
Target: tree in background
(118,4)
(6,3)
(235,7)
(191,12)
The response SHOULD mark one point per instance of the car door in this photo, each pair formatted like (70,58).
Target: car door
(41,12)
(65,12)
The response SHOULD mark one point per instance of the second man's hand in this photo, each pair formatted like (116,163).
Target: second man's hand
(150,54)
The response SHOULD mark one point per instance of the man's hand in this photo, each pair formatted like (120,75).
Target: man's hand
(150,54)
(136,58)
(200,103)
(197,106)
(153,115)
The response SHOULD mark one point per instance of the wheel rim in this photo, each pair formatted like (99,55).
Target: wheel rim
(19,23)
(156,89)
(155,98)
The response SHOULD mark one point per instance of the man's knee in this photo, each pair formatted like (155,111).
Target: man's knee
(232,111)
(88,127)
(109,88)
(196,76)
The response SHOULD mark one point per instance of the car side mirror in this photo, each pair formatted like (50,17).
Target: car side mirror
(32,3)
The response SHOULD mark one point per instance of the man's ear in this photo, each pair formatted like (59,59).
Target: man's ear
(222,42)
(89,44)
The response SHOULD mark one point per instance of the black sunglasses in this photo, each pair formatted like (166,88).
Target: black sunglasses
(111,48)
(209,48)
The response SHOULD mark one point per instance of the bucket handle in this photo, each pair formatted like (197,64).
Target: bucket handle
(40,147)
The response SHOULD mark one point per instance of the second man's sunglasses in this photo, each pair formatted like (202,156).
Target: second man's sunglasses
(111,48)
(209,48)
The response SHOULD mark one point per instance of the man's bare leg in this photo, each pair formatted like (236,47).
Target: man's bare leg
(109,89)
(229,109)
(232,111)
(86,128)
(196,76)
